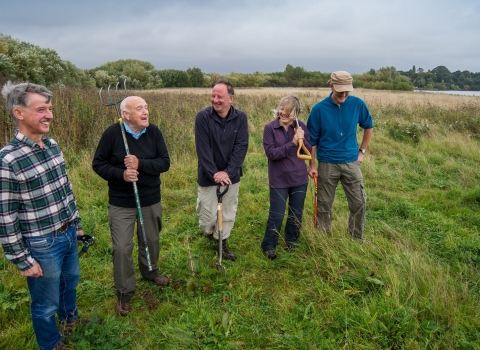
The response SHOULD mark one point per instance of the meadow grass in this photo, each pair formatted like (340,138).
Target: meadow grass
(413,285)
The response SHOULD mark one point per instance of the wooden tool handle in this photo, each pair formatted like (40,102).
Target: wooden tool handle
(301,147)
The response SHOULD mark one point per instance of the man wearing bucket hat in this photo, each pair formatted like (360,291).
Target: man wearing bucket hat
(333,134)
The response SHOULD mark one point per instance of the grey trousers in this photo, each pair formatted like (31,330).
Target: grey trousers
(207,203)
(350,175)
(122,224)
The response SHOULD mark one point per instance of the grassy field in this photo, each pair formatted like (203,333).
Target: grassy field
(415,284)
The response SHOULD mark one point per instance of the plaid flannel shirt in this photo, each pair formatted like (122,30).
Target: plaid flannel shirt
(36,196)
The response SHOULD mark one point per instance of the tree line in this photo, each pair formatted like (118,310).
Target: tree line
(21,61)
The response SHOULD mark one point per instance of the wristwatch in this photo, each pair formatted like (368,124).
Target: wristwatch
(362,150)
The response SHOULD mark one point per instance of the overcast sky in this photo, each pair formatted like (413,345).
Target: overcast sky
(246,36)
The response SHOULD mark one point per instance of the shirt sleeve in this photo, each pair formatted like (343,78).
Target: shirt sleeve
(272,152)
(240,148)
(11,238)
(101,163)
(313,127)
(202,145)
(366,120)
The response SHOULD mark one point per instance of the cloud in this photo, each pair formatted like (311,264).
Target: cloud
(249,36)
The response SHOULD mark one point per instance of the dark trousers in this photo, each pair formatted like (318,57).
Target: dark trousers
(278,202)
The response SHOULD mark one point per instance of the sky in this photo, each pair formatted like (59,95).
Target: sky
(247,36)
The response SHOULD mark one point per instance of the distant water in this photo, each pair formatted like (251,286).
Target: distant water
(451,92)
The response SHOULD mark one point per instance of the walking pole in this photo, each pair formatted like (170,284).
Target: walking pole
(116,103)
(301,147)
(315,191)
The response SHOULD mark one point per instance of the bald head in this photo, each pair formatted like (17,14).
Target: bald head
(135,113)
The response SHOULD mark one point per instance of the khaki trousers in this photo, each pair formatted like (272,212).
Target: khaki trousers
(207,204)
(350,176)
(122,224)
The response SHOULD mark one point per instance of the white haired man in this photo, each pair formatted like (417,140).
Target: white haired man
(147,160)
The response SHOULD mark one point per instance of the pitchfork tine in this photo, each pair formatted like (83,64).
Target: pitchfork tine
(116,91)
(110,96)
(117,95)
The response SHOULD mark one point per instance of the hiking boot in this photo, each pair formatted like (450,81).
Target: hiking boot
(226,254)
(123,309)
(209,236)
(270,254)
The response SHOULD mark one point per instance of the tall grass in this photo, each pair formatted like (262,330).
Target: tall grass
(413,285)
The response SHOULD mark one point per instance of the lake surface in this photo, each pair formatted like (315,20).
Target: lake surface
(451,92)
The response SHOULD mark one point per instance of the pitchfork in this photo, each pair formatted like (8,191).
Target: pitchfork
(116,103)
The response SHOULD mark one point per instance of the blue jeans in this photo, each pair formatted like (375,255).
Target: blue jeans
(278,202)
(54,292)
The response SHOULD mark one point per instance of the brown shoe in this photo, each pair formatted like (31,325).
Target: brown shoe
(123,309)
(161,281)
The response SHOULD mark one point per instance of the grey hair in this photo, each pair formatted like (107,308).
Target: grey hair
(290,103)
(123,105)
(16,95)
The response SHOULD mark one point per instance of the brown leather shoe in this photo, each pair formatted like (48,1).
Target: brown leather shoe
(161,281)
(123,309)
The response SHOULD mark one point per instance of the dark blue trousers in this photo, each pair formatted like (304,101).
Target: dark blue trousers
(278,202)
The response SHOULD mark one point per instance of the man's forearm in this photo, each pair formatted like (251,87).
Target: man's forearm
(367,136)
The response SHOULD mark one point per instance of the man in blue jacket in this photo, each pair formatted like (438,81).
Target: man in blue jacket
(333,134)
(221,140)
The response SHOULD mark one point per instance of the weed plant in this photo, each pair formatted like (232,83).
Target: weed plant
(414,284)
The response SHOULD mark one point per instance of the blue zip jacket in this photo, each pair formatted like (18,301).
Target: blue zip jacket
(333,128)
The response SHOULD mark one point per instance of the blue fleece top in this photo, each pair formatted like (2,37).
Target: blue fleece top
(333,128)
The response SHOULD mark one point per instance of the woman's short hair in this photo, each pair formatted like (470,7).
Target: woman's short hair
(290,104)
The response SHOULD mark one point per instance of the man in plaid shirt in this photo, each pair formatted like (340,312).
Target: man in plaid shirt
(39,218)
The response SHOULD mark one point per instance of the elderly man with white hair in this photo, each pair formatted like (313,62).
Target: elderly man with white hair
(147,160)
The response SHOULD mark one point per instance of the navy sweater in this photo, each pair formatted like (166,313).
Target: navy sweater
(152,153)
(220,146)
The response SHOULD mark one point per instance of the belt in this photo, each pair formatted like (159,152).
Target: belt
(64,227)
